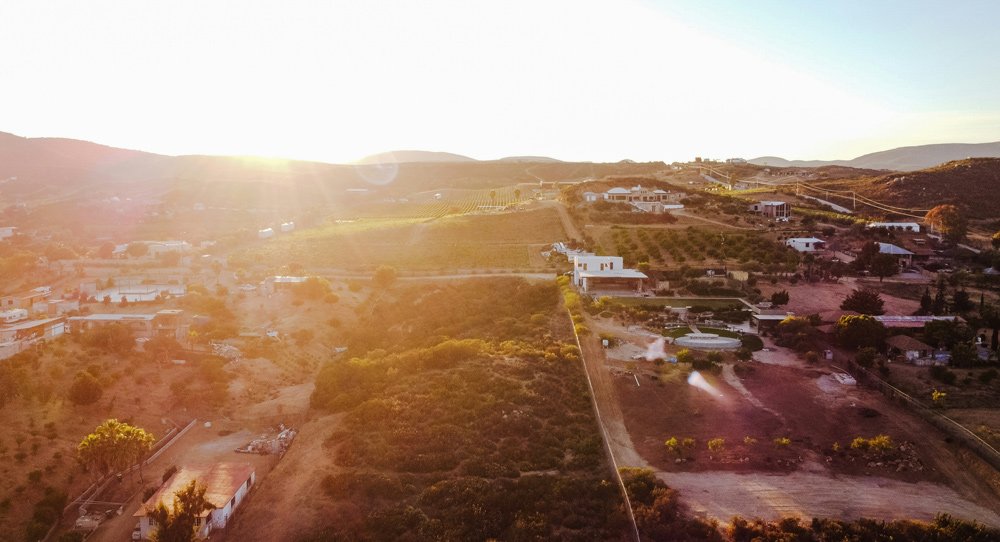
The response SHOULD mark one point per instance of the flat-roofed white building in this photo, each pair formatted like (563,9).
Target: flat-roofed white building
(605,273)
(806,244)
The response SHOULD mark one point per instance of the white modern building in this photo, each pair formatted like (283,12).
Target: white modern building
(806,244)
(227,486)
(265,233)
(605,273)
(7,231)
(287,226)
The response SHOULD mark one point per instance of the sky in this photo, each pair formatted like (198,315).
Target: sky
(576,80)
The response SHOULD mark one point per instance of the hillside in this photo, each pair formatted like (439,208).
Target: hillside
(404,157)
(973,185)
(899,159)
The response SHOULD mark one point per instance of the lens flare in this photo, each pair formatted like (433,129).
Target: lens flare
(656,350)
(698,381)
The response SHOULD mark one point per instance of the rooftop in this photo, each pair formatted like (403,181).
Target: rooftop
(31,324)
(221,480)
(614,274)
(910,321)
(112,317)
(905,342)
(889,248)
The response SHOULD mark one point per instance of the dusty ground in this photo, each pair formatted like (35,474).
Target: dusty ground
(288,491)
(805,299)
(783,399)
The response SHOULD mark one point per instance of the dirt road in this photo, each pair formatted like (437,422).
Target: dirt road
(817,493)
(567,221)
(811,489)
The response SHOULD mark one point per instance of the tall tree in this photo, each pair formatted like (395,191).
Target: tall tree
(114,446)
(85,390)
(860,331)
(883,265)
(926,302)
(177,522)
(948,220)
(865,301)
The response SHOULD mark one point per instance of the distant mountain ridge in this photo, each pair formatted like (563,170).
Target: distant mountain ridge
(411,156)
(898,159)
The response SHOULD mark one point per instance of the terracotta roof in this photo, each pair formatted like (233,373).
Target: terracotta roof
(222,480)
(907,343)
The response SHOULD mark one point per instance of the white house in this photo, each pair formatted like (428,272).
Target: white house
(590,196)
(6,231)
(287,226)
(636,194)
(265,233)
(806,244)
(227,486)
(897,226)
(736,160)
(605,273)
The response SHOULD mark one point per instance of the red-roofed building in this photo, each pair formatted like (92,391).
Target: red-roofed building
(227,485)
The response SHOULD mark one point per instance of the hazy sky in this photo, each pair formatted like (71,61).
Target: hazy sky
(576,80)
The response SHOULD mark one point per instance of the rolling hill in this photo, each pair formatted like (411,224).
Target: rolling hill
(406,157)
(899,159)
(973,185)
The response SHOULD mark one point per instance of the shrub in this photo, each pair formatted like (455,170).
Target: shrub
(717,444)
(782,441)
(749,441)
(942,374)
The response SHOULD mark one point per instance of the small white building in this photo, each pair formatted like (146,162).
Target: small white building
(6,231)
(806,244)
(265,233)
(895,226)
(287,226)
(772,209)
(227,486)
(590,197)
(736,160)
(13,315)
(605,273)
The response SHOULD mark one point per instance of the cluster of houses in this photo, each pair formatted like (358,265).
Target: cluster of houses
(32,316)
(644,200)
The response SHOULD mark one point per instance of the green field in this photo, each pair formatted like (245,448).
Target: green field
(505,240)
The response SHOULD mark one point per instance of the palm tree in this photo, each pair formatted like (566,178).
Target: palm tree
(114,446)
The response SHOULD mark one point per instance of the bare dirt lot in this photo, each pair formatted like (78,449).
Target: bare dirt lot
(806,477)
(807,299)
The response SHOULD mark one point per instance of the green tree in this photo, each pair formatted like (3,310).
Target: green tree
(113,447)
(177,522)
(926,302)
(948,220)
(137,250)
(780,298)
(85,389)
(963,354)
(947,333)
(106,250)
(960,301)
(384,276)
(858,331)
(115,338)
(864,301)
(884,265)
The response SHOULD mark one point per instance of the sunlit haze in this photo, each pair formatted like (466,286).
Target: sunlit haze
(601,81)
